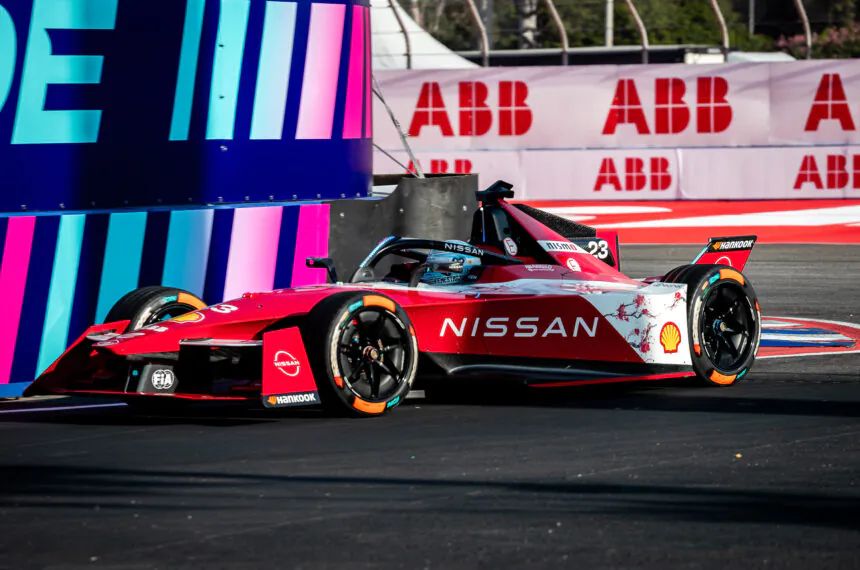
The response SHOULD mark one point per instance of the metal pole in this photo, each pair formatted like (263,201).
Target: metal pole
(643,33)
(806,30)
(751,22)
(485,48)
(405,33)
(487,13)
(724,31)
(561,31)
(377,90)
(609,30)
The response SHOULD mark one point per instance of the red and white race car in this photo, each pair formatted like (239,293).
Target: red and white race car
(530,296)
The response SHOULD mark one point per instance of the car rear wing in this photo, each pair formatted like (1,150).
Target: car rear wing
(732,251)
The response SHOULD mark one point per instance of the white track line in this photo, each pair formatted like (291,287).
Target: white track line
(818,353)
(813,320)
(60,408)
(603,210)
(832,337)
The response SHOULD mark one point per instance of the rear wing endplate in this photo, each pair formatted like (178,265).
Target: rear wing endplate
(732,251)
(604,246)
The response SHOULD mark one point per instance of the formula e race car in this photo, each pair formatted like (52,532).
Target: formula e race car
(530,296)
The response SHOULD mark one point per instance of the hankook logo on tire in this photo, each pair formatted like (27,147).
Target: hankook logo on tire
(287,363)
(163,379)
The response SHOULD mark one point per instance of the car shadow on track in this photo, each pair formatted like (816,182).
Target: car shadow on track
(157,490)
(657,396)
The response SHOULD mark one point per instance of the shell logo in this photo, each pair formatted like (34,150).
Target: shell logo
(670,338)
(192,317)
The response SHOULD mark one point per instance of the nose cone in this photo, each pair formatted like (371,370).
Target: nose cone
(224,321)
(238,319)
(160,337)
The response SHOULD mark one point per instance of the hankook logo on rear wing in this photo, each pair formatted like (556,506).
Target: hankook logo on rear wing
(733,245)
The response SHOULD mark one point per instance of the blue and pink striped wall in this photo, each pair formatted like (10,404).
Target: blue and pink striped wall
(252,102)
(61,273)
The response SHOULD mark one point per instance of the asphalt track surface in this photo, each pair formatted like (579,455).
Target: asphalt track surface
(765,474)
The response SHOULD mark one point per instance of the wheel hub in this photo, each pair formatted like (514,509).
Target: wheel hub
(374,353)
(728,328)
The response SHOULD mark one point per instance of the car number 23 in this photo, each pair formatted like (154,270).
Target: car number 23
(598,248)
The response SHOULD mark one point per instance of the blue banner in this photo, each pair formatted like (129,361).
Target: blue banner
(111,104)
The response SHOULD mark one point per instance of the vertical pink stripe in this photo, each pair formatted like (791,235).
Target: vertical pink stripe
(311,241)
(13,280)
(368,78)
(355,80)
(253,250)
(319,86)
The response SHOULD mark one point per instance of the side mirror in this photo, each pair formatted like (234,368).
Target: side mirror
(326,262)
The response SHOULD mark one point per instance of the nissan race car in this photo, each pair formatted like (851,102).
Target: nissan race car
(529,296)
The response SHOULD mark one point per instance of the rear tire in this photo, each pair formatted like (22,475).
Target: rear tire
(363,353)
(723,321)
(150,305)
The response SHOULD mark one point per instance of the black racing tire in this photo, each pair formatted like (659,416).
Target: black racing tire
(670,275)
(149,305)
(723,321)
(363,353)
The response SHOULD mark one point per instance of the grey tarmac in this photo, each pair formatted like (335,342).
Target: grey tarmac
(765,474)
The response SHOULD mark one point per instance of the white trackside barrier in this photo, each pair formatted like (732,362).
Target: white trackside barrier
(731,131)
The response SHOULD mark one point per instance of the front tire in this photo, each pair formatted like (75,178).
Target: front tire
(723,319)
(151,305)
(363,352)
(148,306)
